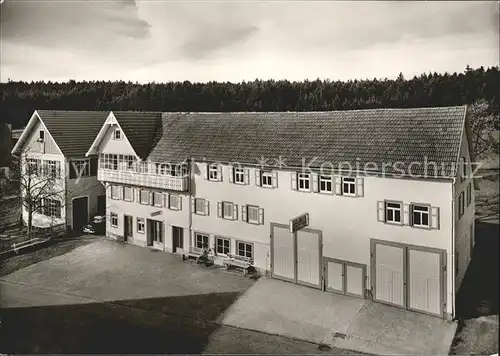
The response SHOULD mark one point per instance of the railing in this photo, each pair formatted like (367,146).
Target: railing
(143,179)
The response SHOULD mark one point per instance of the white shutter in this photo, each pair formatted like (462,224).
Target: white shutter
(219,173)
(109,191)
(314,177)
(244,213)
(219,209)
(231,173)
(207,167)
(138,195)
(193,206)
(207,207)
(434,217)
(150,198)
(360,189)
(166,200)
(275,179)
(257,177)
(247,176)
(261,216)
(337,185)
(122,192)
(381,211)
(235,212)
(293,176)
(179,202)
(406,214)
(132,193)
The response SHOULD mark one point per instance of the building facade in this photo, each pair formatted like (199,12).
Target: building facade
(391,227)
(54,168)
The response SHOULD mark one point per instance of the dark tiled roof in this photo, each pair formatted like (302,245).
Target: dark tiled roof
(73,131)
(356,136)
(141,129)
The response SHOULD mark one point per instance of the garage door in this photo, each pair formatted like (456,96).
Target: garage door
(389,275)
(308,258)
(345,277)
(424,273)
(283,258)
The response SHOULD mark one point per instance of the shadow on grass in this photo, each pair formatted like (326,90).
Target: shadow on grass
(478,295)
(156,325)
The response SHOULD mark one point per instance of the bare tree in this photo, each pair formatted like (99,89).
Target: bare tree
(41,186)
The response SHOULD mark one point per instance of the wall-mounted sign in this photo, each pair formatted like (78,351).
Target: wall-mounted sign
(299,222)
(156,213)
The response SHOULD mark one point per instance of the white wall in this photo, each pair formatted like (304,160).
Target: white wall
(347,223)
(109,145)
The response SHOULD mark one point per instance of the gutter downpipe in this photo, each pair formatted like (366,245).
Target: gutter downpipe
(453,228)
(190,192)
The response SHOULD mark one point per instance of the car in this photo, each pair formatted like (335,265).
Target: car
(97,226)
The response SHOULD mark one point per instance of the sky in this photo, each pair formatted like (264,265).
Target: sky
(237,40)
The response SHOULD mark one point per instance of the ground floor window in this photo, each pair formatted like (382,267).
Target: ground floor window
(201,241)
(114,219)
(244,249)
(223,245)
(140,225)
(51,207)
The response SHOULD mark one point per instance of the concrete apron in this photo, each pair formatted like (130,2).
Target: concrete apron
(304,313)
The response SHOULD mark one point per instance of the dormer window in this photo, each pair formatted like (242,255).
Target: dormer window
(117,134)
(41,135)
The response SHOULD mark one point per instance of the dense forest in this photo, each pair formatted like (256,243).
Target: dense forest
(20,99)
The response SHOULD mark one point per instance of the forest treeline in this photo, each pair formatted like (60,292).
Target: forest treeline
(20,99)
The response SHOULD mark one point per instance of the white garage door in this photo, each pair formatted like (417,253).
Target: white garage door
(283,263)
(308,258)
(389,274)
(424,281)
(335,276)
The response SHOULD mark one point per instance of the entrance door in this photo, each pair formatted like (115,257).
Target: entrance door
(80,213)
(155,233)
(177,239)
(101,204)
(296,257)
(128,229)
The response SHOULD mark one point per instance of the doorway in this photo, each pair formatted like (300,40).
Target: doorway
(80,212)
(127,228)
(178,239)
(101,204)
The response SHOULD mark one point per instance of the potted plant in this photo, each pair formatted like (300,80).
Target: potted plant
(205,259)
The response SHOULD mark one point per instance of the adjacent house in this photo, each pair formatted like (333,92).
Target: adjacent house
(372,203)
(58,176)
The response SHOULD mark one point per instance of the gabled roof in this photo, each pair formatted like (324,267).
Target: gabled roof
(396,137)
(73,131)
(140,128)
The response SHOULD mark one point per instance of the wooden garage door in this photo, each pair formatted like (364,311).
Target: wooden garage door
(308,258)
(424,272)
(345,277)
(389,274)
(355,280)
(283,258)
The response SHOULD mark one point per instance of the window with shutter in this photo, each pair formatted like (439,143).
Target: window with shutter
(128,196)
(244,249)
(266,179)
(157,199)
(239,175)
(223,245)
(348,186)
(144,197)
(393,212)
(325,184)
(213,173)
(304,181)
(420,215)
(199,206)
(227,210)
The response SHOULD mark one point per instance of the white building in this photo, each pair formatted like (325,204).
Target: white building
(396,228)
(54,144)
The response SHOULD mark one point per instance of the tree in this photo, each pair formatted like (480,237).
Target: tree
(483,125)
(41,187)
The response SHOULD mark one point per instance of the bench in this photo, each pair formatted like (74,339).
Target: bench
(238,262)
(25,244)
(194,254)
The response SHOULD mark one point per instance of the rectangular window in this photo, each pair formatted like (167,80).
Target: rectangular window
(130,162)
(117,134)
(348,186)
(51,207)
(266,179)
(79,168)
(128,194)
(244,249)
(420,215)
(325,184)
(303,181)
(174,202)
(239,175)
(114,219)
(114,162)
(144,195)
(143,167)
(41,135)
(157,197)
(213,172)
(223,245)
(199,206)
(461,207)
(53,169)
(201,241)
(227,210)
(115,191)
(469,193)
(463,169)
(33,166)
(140,225)
(253,214)
(393,212)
